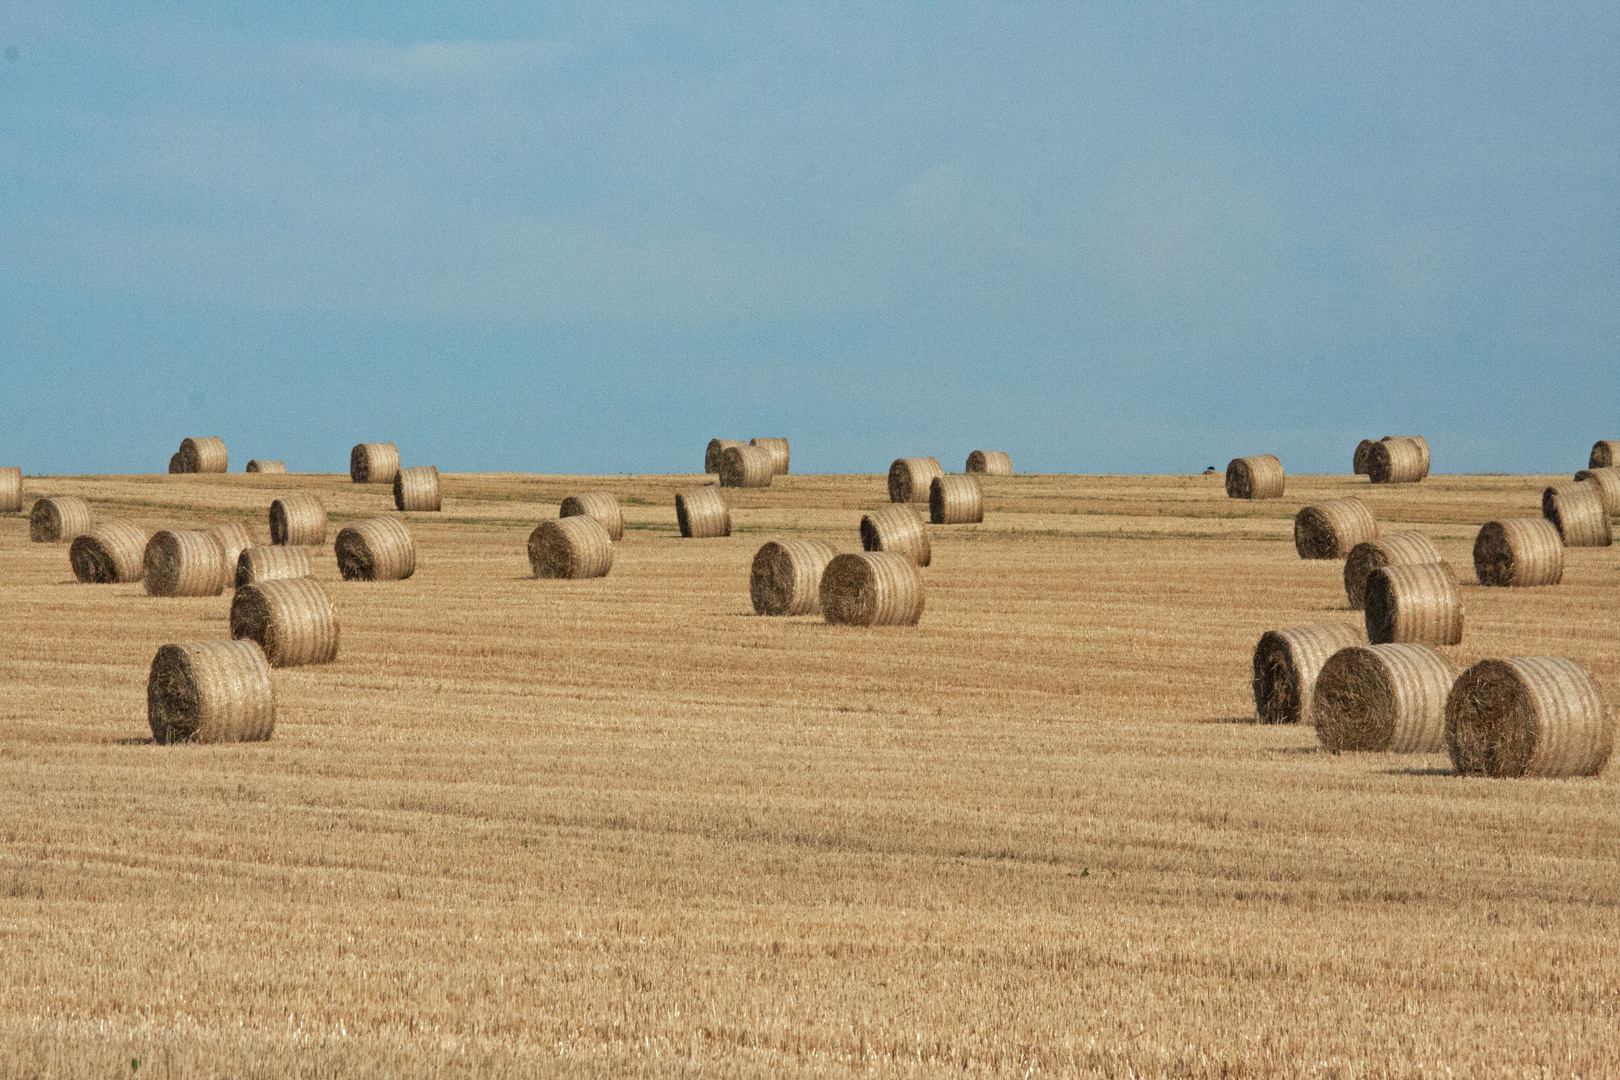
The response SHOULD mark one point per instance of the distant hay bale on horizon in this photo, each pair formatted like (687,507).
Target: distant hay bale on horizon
(256,564)
(872,588)
(1286,663)
(1329,529)
(990,463)
(955,500)
(111,553)
(1577,512)
(204,454)
(786,577)
(1257,477)
(1519,552)
(1363,449)
(298,520)
(899,529)
(11,493)
(1418,441)
(184,562)
(1528,716)
(1384,698)
(1605,452)
(1413,605)
(746,466)
(374,463)
(601,505)
(716,447)
(702,514)
(778,448)
(417,489)
(59,519)
(1394,549)
(233,538)
(1607,480)
(376,549)
(210,692)
(1398,460)
(175,467)
(911,478)
(292,619)
(257,466)
(571,547)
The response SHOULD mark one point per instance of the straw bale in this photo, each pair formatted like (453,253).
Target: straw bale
(910,478)
(374,463)
(205,454)
(1578,513)
(600,505)
(299,520)
(1388,698)
(711,456)
(1418,441)
(1286,663)
(1519,552)
(210,692)
(898,529)
(376,549)
(746,466)
(1605,452)
(10,489)
(780,457)
(59,519)
(1528,716)
(786,578)
(872,588)
(256,564)
(570,547)
(1413,605)
(184,562)
(175,466)
(257,466)
(1259,477)
(1363,449)
(1395,549)
(955,500)
(990,462)
(702,513)
(1608,482)
(1329,529)
(233,538)
(291,618)
(1396,460)
(417,488)
(111,553)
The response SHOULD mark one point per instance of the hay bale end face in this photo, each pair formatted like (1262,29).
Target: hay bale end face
(872,588)
(111,553)
(186,562)
(1413,605)
(1608,484)
(1519,552)
(374,463)
(600,505)
(376,549)
(990,462)
(898,529)
(778,448)
(702,514)
(1329,529)
(1577,512)
(417,489)
(1383,698)
(291,618)
(716,447)
(11,494)
(1605,452)
(746,466)
(955,500)
(233,539)
(299,520)
(1528,716)
(59,519)
(204,455)
(1258,477)
(570,547)
(911,478)
(1363,448)
(210,692)
(175,467)
(786,577)
(1396,549)
(257,466)
(1286,663)
(256,564)
(1397,460)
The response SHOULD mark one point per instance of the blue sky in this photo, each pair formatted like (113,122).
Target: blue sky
(1106,238)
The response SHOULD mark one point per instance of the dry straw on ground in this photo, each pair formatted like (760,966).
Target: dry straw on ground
(184,562)
(111,553)
(1286,663)
(1329,529)
(256,564)
(58,519)
(291,618)
(746,466)
(1397,460)
(1528,716)
(1393,549)
(898,529)
(716,447)
(205,454)
(299,520)
(376,549)
(872,588)
(1608,482)
(786,577)
(233,538)
(11,489)
(600,505)
(990,462)
(955,500)
(1258,477)
(570,547)
(417,488)
(374,463)
(781,457)
(1519,552)
(257,466)
(1577,512)
(702,513)
(1418,605)
(210,692)
(911,478)
(1363,450)
(1384,698)
(1605,452)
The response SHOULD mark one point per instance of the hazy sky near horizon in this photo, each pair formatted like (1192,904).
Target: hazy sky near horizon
(1106,238)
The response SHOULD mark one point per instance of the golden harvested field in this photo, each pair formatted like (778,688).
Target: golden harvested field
(624,826)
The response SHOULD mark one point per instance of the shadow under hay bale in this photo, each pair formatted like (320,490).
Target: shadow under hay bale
(1608,484)
(233,539)
(59,519)
(374,463)
(910,479)
(210,692)
(1286,663)
(292,619)
(1258,477)
(1519,552)
(600,505)
(256,564)
(778,448)
(1528,716)
(786,577)
(1384,698)
(205,454)
(1413,605)
(1605,452)
(111,553)
(716,447)
(955,500)
(257,466)
(1329,529)
(11,493)
(417,489)
(1578,513)
(872,588)
(897,529)
(1395,549)
(702,514)
(298,520)
(1396,461)
(184,562)
(746,466)
(990,463)
(376,549)
(570,547)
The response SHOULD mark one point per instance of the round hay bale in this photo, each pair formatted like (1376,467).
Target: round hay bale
(1396,461)
(1608,484)
(1329,529)
(702,513)
(59,519)
(1363,448)
(210,692)
(1286,663)
(872,588)
(1413,605)
(233,539)
(184,563)
(1528,716)
(376,549)
(374,463)
(600,505)
(786,578)
(779,453)
(258,466)
(570,547)
(990,462)
(291,619)
(910,478)
(1418,441)
(1384,698)
(746,466)
(1395,549)
(1578,513)
(955,500)
(1520,552)
(1605,452)
(711,456)
(111,553)
(256,564)
(299,520)
(898,529)
(204,455)
(417,488)
(1259,477)
(10,489)
(175,467)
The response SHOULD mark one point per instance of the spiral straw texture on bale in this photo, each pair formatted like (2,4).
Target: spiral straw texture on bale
(417,488)
(1578,513)
(58,519)
(257,564)
(374,463)
(1258,477)
(746,466)
(1329,529)
(1413,605)
(911,478)
(898,529)
(210,692)
(702,514)
(1605,452)
(872,588)
(111,553)
(1396,461)
(600,505)
(990,462)
(376,549)
(1286,663)
(786,577)
(1418,441)
(291,618)
(570,547)
(1519,552)
(1363,450)
(184,563)
(955,500)
(299,520)
(1528,716)
(257,466)
(233,539)
(716,447)
(1608,482)
(10,489)
(780,456)
(1395,549)
(205,454)
(1384,698)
